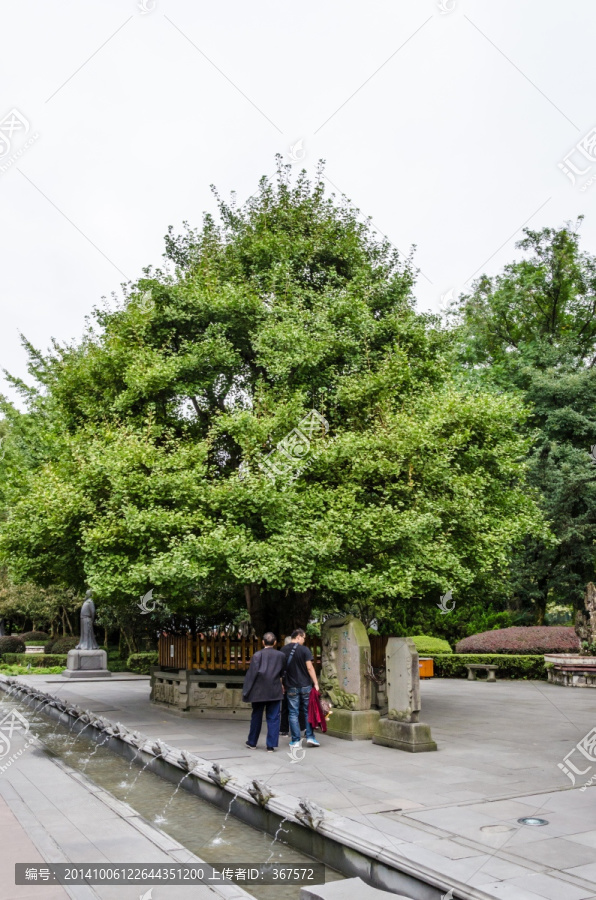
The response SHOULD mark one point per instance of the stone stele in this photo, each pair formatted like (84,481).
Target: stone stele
(401,728)
(344,668)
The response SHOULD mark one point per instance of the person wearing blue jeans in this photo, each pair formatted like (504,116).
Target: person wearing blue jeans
(300,677)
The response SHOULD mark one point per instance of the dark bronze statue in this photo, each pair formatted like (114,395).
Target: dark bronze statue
(87,641)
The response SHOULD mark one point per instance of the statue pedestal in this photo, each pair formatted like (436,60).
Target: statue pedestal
(414,737)
(353,725)
(87,664)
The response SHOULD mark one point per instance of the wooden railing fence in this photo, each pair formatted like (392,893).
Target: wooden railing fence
(217,653)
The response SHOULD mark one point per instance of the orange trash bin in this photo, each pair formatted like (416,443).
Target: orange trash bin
(427,667)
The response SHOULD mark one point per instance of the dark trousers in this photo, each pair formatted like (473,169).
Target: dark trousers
(271,708)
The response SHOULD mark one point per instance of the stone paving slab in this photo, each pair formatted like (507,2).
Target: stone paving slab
(498,750)
(51,814)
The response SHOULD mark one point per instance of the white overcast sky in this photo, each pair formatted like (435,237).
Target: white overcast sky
(446,126)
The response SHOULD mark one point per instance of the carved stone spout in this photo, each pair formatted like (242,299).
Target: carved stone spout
(219,775)
(310,814)
(186,761)
(260,792)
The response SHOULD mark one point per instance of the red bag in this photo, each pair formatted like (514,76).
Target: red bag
(316,716)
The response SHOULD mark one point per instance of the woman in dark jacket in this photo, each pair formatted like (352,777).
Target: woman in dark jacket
(263,688)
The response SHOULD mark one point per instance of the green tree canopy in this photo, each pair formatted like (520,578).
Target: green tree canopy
(159,422)
(532,330)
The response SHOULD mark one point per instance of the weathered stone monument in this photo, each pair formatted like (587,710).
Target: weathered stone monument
(401,728)
(344,678)
(87,660)
(585,620)
(578,669)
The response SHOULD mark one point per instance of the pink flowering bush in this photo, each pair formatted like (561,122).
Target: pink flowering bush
(533,639)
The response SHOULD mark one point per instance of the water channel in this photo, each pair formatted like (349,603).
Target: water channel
(201,827)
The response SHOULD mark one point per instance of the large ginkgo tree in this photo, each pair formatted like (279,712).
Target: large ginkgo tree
(265,424)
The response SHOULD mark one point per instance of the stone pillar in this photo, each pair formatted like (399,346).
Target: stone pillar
(344,670)
(401,728)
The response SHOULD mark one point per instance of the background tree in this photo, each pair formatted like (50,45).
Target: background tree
(532,330)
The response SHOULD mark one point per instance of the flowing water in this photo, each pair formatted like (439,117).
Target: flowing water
(211,833)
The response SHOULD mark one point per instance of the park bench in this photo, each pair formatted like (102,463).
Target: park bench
(490,670)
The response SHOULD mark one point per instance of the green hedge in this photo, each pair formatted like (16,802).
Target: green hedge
(37,670)
(453,665)
(141,662)
(428,646)
(37,660)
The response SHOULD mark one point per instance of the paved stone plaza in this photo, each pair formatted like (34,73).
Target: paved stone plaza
(454,811)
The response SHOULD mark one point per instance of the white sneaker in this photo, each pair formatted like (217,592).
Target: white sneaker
(312,742)
(294,743)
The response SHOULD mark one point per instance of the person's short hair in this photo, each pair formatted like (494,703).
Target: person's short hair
(269,639)
(298,632)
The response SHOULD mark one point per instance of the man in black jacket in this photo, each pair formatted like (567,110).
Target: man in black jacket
(263,688)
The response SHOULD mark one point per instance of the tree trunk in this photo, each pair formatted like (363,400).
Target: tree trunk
(69,623)
(541,601)
(299,612)
(255,607)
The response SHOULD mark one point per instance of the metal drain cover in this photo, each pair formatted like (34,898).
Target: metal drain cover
(530,820)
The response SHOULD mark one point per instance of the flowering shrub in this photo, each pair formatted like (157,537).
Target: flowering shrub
(519,640)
